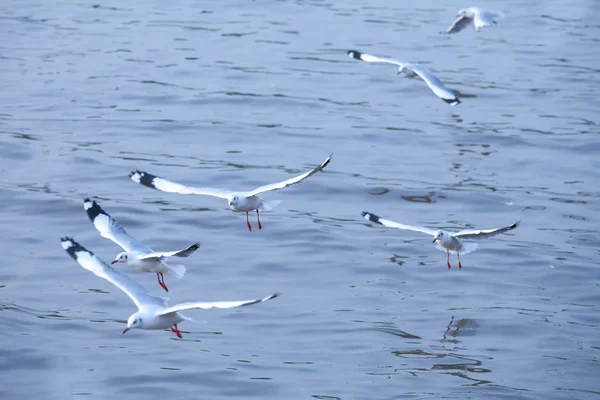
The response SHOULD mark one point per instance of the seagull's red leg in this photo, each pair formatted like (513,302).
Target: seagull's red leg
(248,222)
(161,280)
(176,331)
(258,218)
(448,259)
(458,254)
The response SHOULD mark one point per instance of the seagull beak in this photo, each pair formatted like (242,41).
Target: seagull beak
(125,330)
(114,261)
(434,240)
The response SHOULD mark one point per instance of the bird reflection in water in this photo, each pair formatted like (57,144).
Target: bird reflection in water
(461,327)
(447,361)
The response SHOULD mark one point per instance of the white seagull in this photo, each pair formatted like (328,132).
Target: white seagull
(136,255)
(410,70)
(480,17)
(153,312)
(238,201)
(446,241)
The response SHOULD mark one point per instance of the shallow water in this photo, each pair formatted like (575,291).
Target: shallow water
(239,94)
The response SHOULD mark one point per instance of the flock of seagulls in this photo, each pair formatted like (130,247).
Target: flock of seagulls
(153,311)
(478,16)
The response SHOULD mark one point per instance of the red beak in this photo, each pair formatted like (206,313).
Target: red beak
(125,330)
(114,261)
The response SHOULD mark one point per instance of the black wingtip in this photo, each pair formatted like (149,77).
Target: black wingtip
(327,161)
(354,54)
(93,210)
(453,102)
(143,178)
(72,247)
(370,217)
(516,224)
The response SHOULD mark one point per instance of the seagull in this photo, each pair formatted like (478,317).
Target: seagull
(480,17)
(136,255)
(153,312)
(238,201)
(446,241)
(410,70)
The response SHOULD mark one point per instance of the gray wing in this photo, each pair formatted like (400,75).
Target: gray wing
(289,182)
(460,23)
(391,224)
(474,234)
(435,85)
(178,253)
(216,304)
(155,182)
(89,261)
(111,229)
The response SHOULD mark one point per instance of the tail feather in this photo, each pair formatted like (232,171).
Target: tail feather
(177,270)
(268,205)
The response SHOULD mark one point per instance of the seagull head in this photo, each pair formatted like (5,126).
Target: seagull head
(401,69)
(235,201)
(121,257)
(439,235)
(134,321)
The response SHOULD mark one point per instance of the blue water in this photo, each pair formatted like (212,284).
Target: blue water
(238,94)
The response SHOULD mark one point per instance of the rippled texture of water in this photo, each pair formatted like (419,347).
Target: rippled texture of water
(238,94)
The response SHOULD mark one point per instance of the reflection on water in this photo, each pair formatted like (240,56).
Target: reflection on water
(462,327)
(44,314)
(456,364)
(447,361)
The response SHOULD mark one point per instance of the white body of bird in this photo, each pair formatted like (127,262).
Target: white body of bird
(480,18)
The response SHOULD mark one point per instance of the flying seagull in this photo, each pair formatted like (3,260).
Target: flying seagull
(480,17)
(410,70)
(238,201)
(446,241)
(136,255)
(153,312)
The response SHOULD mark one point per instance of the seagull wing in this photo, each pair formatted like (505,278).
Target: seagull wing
(155,182)
(435,85)
(373,59)
(216,304)
(178,253)
(289,182)
(459,23)
(89,261)
(391,224)
(111,229)
(485,233)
